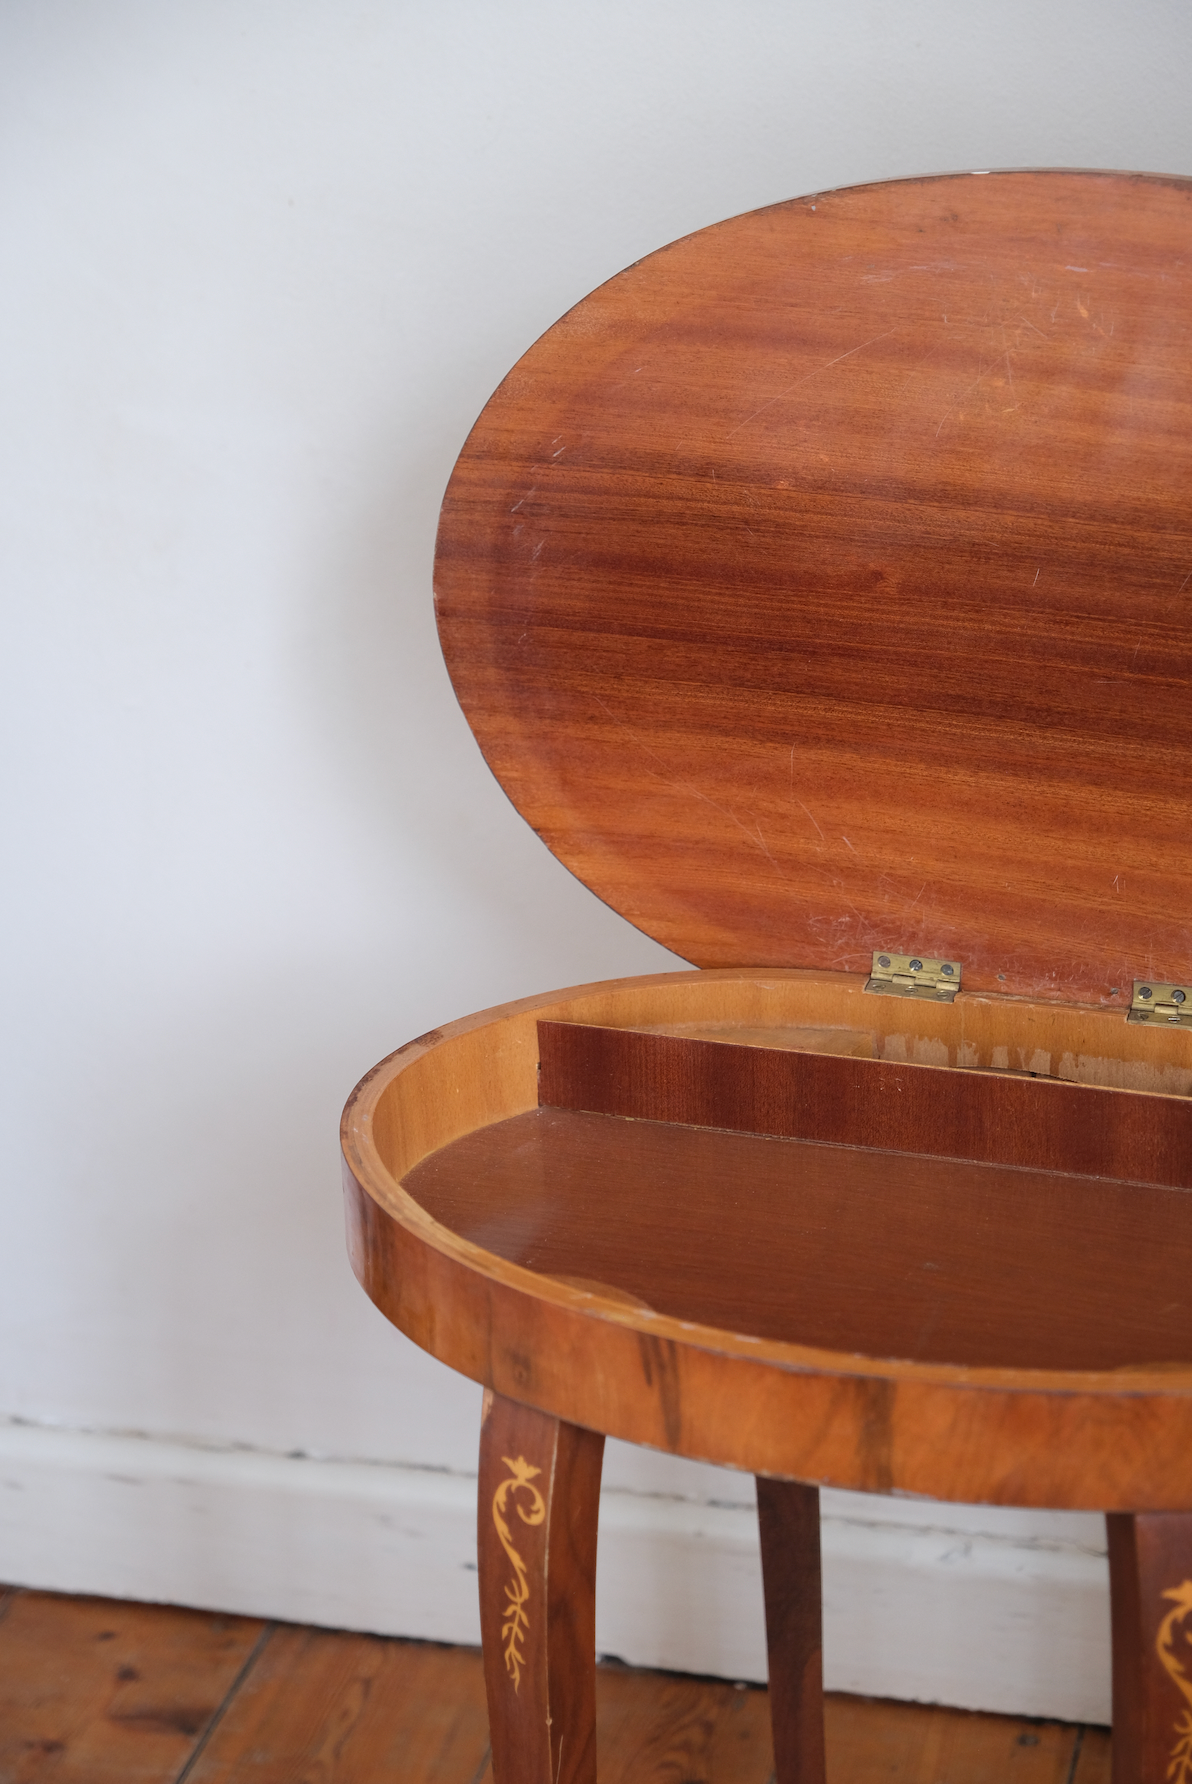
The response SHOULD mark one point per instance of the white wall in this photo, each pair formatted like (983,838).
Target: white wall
(261,266)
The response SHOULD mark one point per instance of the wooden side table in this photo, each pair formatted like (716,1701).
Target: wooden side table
(818,590)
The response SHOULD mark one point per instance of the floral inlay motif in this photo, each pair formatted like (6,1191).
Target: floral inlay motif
(517,1593)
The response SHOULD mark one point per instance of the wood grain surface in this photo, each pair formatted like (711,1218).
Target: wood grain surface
(929,1743)
(94,1689)
(319,1706)
(1150,1572)
(325,1706)
(788,1518)
(537,1505)
(865,1253)
(1116,1438)
(1036,1124)
(821,583)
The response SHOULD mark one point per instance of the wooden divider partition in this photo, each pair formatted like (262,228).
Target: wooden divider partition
(997,1118)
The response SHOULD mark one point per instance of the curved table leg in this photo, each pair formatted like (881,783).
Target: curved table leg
(1150,1578)
(538,1507)
(788,1517)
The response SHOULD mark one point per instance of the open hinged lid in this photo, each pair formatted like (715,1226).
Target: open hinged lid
(822,583)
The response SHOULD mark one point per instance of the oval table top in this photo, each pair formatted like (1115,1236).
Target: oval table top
(851,1315)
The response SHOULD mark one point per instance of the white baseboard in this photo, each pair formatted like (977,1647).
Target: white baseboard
(975,1606)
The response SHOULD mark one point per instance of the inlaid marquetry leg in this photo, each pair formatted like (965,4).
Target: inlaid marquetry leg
(539,1501)
(1150,1577)
(788,1517)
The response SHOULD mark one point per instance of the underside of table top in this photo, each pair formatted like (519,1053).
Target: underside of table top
(822,583)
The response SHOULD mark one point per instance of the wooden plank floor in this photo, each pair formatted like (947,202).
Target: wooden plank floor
(97,1691)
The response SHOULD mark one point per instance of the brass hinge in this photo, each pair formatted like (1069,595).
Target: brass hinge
(1153,1002)
(910,975)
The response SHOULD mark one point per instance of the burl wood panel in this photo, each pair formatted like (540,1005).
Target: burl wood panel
(1036,1123)
(537,1506)
(822,582)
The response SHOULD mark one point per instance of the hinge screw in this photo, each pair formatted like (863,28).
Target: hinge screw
(1145,991)
(916,966)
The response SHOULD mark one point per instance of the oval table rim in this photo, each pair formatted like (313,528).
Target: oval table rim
(361,1159)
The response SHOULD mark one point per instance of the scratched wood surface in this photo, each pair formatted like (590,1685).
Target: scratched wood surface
(233,1698)
(822,582)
